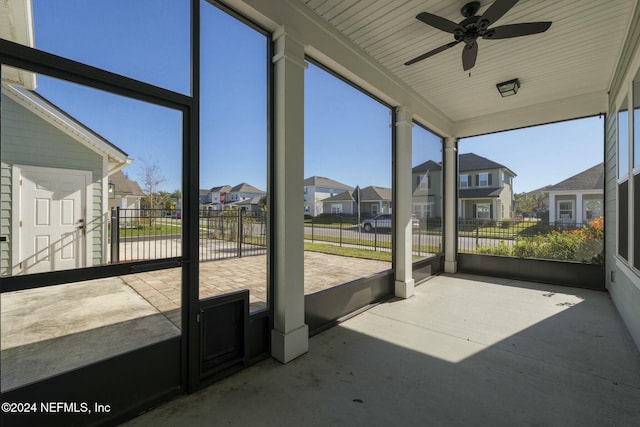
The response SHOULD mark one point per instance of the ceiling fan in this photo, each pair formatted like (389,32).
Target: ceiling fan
(473,27)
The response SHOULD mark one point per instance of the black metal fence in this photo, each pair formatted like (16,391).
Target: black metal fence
(372,234)
(232,233)
(533,239)
(143,234)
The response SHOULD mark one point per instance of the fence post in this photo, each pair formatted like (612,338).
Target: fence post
(375,235)
(115,235)
(340,231)
(240,233)
(477,235)
(312,228)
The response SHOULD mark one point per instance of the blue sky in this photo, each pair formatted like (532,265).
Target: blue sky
(347,134)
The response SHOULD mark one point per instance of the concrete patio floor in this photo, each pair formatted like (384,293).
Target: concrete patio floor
(50,330)
(463,351)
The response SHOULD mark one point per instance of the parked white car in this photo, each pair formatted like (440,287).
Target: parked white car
(383,222)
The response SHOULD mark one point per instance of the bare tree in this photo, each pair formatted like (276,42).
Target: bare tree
(151,177)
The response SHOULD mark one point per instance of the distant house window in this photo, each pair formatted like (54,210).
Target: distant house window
(592,209)
(305,190)
(464,181)
(336,208)
(505,178)
(483,211)
(374,209)
(422,210)
(565,211)
(484,180)
(424,182)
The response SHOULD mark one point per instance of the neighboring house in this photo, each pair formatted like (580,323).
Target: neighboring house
(318,188)
(242,192)
(124,193)
(485,189)
(373,201)
(427,190)
(578,199)
(253,204)
(204,197)
(54,204)
(217,197)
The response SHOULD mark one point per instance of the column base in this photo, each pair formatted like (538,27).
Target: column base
(404,289)
(450,266)
(286,347)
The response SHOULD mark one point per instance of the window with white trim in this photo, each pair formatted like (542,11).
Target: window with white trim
(464,181)
(565,211)
(484,179)
(623,180)
(336,208)
(483,211)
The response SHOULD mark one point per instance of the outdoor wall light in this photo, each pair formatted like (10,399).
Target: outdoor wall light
(112,190)
(508,88)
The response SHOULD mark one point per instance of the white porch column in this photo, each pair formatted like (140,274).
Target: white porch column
(290,335)
(579,209)
(450,198)
(552,208)
(404,284)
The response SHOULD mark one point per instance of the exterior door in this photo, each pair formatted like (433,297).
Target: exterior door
(51,219)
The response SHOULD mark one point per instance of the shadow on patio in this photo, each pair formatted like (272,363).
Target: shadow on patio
(465,350)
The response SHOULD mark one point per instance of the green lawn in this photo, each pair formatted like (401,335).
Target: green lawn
(347,251)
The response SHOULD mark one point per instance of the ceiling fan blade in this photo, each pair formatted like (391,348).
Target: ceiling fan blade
(516,30)
(439,23)
(431,53)
(495,12)
(469,55)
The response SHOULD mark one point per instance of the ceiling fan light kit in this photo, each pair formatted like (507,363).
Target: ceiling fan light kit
(474,27)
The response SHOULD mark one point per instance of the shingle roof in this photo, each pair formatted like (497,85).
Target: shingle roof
(367,194)
(477,193)
(473,162)
(221,188)
(429,165)
(373,193)
(251,201)
(345,196)
(124,185)
(245,188)
(320,181)
(590,179)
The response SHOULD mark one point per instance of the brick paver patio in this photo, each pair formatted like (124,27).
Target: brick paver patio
(321,271)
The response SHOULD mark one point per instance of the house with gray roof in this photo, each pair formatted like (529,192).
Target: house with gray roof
(579,198)
(215,197)
(485,188)
(373,201)
(243,191)
(426,201)
(318,188)
(123,192)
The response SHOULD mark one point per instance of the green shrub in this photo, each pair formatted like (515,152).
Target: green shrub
(502,249)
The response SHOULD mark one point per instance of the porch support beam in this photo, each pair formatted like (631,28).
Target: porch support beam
(290,335)
(404,283)
(552,208)
(450,202)
(578,217)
